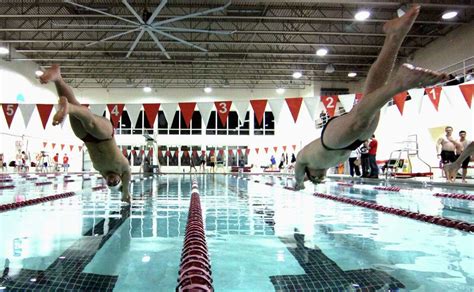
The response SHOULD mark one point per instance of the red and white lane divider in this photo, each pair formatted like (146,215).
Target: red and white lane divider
(12,206)
(455,196)
(195,268)
(7,187)
(390,189)
(446,222)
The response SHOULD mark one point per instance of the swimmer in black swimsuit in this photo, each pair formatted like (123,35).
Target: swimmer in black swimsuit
(97,132)
(345,133)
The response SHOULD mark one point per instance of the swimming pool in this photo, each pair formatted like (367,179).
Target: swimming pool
(260,237)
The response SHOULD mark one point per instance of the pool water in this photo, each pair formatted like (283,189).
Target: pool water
(260,237)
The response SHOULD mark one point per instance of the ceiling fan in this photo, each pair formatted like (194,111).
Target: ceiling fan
(145,24)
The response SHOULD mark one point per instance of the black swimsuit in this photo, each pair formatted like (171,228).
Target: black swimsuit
(352,146)
(91,139)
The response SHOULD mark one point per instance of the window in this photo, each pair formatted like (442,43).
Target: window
(267,127)
(175,124)
(162,123)
(211,125)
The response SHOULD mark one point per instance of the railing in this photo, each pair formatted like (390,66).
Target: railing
(460,69)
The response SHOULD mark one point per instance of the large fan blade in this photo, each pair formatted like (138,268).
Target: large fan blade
(156,12)
(135,43)
(191,15)
(130,8)
(95,25)
(101,12)
(113,36)
(181,29)
(158,43)
(178,39)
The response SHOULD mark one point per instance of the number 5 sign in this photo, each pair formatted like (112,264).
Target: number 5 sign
(9,110)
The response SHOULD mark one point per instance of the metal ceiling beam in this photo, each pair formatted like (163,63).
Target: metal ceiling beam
(309,44)
(241,18)
(236,32)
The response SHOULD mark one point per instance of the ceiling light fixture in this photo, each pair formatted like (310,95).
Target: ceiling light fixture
(4,50)
(322,52)
(362,15)
(207,89)
(297,75)
(352,74)
(280,90)
(449,15)
(329,69)
(147,89)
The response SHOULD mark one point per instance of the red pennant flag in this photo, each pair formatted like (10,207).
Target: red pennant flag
(187,109)
(399,100)
(160,153)
(44,111)
(168,153)
(275,148)
(294,147)
(231,152)
(467,90)
(134,152)
(247,151)
(151,110)
(142,151)
(80,148)
(53,145)
(9,110)
(115,111)
(239,151)
(221,152)
(124,151)
(330,104)
(266,149)
(176,153)
(358,97)
(186,153)
(258,106)
(62,146)
(150,152)
(211,152)
(203,152)
(434,94)
(256,150)
(44,144)
(71,147)
(294,104)
(284,148)
(223,109)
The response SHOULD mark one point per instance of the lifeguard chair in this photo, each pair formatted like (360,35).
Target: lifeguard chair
(406,159)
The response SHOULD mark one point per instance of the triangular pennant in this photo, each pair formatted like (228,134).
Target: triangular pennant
(247,151)
(330,104)
(44,144)
(26,111)
(53,145)
(97,109)
(221,152)
(80,148)
(133,111)
(284,148)
(231,152)
(358,97)
(416,95)
(239,151)
(275,148)
(256,150)
(399,100)
(169,110)
(241,108)
(186,153)
(150,152)
(62,146)
(71,147)
(434,94)
(142,151)
(312,105)
(203,152)
(115,111)
(294,147)
(266,149)
(151,111)
(467,90)
(223,109)
(44,111)
(9,110)
(348,101)
(176,153)
(187,109)
(205,108)
(258,106)
(168,153)
(134,152)
(276,106)
(294,105)
(160,153)
(124,151)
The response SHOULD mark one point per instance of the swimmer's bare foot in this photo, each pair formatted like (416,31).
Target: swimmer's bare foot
(62,111)
(400,26)
(409,77)
(52,74)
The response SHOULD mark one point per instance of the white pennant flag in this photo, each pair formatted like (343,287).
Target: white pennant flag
(205,108)
(97,109)
(26,112)
(347,101)
(275,106)
(169,110)
(313,105)
(241,108)
(133,110)
(416,95)
(454,95)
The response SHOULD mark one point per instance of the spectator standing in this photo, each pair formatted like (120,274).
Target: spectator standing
(364,158)
(445,147)
(461,145)
(65,162)
(374,169)
(56,162)
(353,167)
